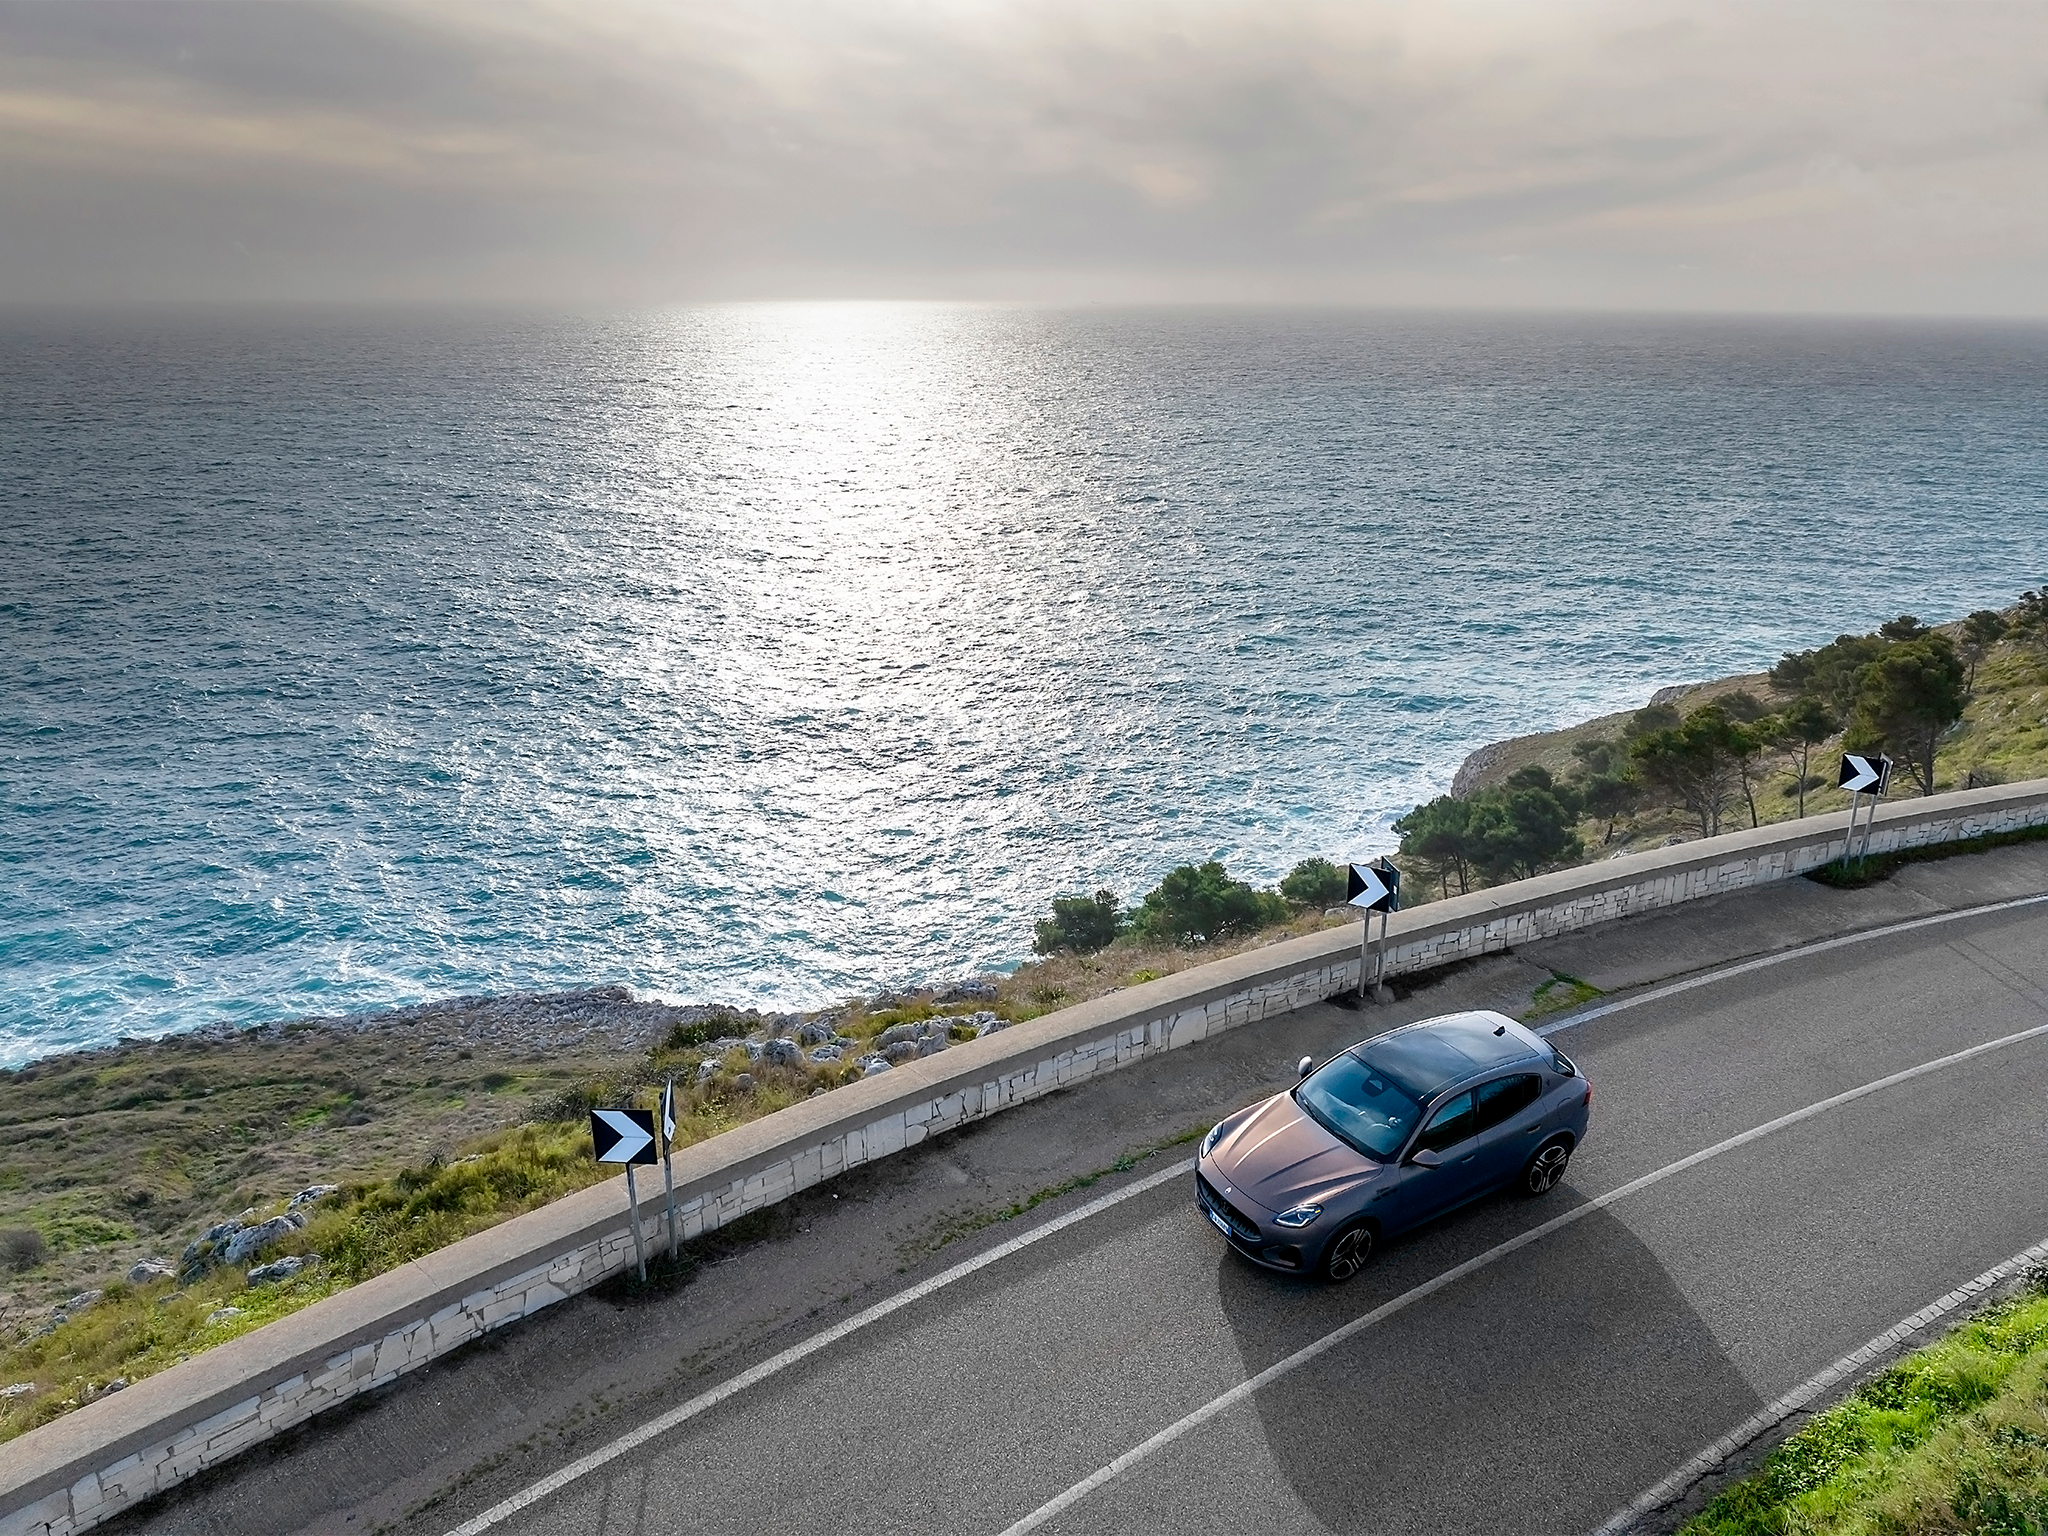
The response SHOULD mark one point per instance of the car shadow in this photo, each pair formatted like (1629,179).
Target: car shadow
(1540,1393)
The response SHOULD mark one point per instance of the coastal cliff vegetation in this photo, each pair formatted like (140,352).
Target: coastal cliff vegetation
(1956,706)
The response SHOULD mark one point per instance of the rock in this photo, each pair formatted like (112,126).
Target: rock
(815,1034)
(118,1384)
(743,1082)
(706,1070)
(870,1065)
(83,1300)
(828,1053)
(902,1051)
(895,1034)
(282,1269)
(19,1389)
(1476,766)
(931,1044)
(782,1053)
(150,1271)
(207,1251)
(754,1049)
(250,1241)
(221,1315)
(311,1195)
(968,991)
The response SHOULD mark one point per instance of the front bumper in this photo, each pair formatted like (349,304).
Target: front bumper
(1245,1234)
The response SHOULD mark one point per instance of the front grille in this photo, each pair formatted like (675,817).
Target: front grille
(1241,1226)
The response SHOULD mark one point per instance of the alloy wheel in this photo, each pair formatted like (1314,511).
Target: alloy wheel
(1348,1253)
(1546,1168)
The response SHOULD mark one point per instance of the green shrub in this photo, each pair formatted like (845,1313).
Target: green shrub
(22,1247)
(1313,883)
(1198,903)
(1082,924)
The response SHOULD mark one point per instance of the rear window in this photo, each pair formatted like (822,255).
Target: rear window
(1562,1064)
(1426,1059)
(1419,1061)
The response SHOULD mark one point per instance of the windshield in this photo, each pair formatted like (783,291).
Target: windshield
(1359,1105)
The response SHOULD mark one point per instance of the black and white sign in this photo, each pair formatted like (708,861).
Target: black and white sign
(668,1113)
(1374,887)
(623,1135)
(1862,774)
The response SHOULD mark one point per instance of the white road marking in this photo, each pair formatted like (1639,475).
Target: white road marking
(633,1439)
(1819,947)
(1329,1341)
(1771,1416)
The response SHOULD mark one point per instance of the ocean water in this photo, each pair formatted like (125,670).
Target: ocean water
(767,653)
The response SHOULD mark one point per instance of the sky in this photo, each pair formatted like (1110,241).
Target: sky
(1856,157)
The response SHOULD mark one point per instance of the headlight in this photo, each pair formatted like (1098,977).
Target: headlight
(1300,1216)
(1209,1141)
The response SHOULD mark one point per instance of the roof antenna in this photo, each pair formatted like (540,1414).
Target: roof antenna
(1500,1029)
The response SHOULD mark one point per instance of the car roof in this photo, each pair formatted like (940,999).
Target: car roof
(1432,1054)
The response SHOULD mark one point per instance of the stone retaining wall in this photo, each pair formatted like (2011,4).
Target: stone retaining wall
(77,1471)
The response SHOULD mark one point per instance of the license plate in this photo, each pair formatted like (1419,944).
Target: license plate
(1221,1225)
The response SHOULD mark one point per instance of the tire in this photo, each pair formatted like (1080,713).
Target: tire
(1347,1253)
(1541,1173)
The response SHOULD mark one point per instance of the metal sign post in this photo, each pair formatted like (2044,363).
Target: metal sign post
(668,1169)
(1374,887)
(1884,784)
(626,1136)
(1860,774)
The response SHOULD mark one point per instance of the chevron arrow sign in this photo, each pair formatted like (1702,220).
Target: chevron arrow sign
(623,1135)
(1372,886)
(1861,774)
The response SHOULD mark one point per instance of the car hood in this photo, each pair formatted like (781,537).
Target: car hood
(1278,1157)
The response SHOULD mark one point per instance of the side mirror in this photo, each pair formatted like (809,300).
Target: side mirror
(1427,1159)
(1303,1067)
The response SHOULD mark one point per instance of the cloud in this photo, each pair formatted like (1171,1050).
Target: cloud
(1861,155)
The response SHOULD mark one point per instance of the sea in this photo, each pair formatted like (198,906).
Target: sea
(768,654)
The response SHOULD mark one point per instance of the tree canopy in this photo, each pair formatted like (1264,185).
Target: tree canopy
(1197,903)
(1082,924)
(1699,762)
(1908,699)
(1313,883)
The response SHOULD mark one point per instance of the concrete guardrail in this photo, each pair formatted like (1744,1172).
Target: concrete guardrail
(81,1469)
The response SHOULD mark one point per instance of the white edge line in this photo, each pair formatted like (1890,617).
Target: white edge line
(1820,946)
(1329,1341)
(1771,1416)
(632,1440)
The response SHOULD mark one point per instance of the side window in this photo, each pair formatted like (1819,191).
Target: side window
(1451,1124)
(1506,1097)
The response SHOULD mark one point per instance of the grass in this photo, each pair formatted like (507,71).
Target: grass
(1951,1439)
(362,1230)
(1557,995)
(1853,873)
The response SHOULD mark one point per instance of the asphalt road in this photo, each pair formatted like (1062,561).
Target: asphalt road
(1539,1393)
